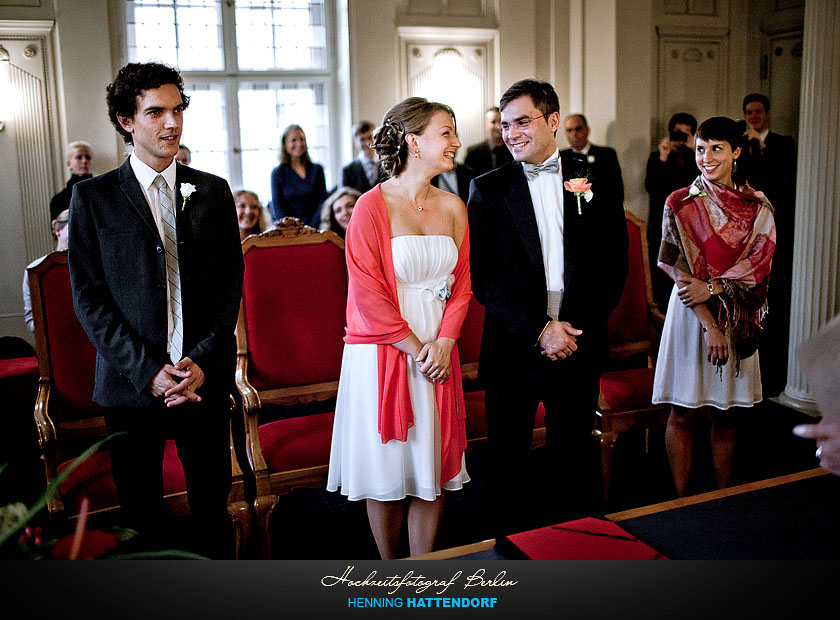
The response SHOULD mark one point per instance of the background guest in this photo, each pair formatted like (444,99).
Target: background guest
(669,168)
(298,187)
(59,225)
(78,157)
(492,152)
(337,209)
(251,216)
(363,173)
(599,164)
(768,163)
(184,155)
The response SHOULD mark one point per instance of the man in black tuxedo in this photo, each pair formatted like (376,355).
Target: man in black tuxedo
(548,269)
(492,152)
(599,164)
(363,173)
(769,164)
(156,271)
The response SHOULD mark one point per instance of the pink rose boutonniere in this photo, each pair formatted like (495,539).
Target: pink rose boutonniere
(581,188)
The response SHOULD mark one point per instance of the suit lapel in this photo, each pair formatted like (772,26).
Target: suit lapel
(518,200)
(131,189)
(572,233)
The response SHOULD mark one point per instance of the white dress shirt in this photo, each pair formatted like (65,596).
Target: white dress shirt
(146,176)
(547,195)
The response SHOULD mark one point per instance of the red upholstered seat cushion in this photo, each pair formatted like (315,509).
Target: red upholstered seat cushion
(294,298)
(469,344)
(71,354)
(628,389)
(19,367)
(628,322)
(477,421)
(93,479)
(95,544)
(297,443)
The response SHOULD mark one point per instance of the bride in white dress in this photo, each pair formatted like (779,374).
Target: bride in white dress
(399,433)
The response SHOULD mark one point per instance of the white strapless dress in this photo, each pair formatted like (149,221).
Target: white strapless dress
(361,466)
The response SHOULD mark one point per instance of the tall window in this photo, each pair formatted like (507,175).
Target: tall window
(251,67)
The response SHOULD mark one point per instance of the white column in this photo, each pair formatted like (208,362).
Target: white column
(815,291)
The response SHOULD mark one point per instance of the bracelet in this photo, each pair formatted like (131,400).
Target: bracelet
(715,325)
(711,288)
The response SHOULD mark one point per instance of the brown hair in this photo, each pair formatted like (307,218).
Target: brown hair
(411,115)
(285,158)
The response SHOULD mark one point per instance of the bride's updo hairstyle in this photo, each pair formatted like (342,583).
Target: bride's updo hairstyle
(409,116)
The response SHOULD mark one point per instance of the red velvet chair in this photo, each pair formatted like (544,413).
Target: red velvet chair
(66,417)
(624,401)
(289,347)
(469,347)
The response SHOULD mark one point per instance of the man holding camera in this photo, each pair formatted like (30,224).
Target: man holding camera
(671,167)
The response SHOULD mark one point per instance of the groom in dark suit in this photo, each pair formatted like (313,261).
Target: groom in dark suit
(156,271)
(548,269)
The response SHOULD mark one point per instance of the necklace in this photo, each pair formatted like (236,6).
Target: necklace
(422,204)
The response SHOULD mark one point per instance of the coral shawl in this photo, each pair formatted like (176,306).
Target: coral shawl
(373,317)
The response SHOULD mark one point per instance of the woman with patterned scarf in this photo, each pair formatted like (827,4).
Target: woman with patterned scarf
(718,239)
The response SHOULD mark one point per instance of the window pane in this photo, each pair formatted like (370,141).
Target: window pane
(183,33)
(265,110)
(281,34)
(205,129)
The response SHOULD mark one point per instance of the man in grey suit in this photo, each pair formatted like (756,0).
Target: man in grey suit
(156,271)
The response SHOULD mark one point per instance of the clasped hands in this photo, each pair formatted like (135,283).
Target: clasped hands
(165,384)
(559,340)
(434,358)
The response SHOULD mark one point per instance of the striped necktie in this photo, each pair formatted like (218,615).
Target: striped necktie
(167,214)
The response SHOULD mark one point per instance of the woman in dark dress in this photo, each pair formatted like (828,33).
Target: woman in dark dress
(298,186)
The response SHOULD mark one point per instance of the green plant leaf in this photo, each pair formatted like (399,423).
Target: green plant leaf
(52,488)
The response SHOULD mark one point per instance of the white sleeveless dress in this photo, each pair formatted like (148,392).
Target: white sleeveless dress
(360,464)
(685,378)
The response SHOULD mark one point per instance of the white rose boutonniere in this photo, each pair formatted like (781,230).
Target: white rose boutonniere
(590,159)
(187,190)
(694,192)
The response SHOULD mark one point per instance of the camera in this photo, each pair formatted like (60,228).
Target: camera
(678,136)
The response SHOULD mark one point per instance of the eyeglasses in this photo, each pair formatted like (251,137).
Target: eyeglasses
(520,123)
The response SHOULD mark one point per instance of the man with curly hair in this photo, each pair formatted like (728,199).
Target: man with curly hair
(156,273)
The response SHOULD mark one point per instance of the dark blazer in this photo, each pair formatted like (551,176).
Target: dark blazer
(353,175)
(600,166)
(481,158)
(508,276)
(463,176)
(118,276)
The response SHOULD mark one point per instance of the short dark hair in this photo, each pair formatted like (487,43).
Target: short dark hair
(582,117)
(185,147)
(492,109)
(721,128)
(682,118)
(362,127)
(756,97)
(542,95)
(131,81)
